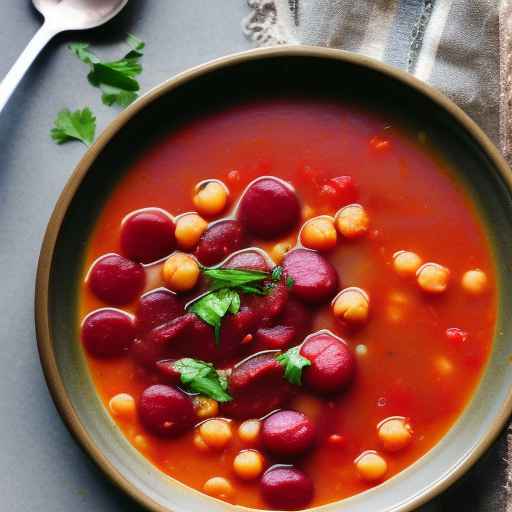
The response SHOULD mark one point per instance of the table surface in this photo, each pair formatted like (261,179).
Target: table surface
(41,466)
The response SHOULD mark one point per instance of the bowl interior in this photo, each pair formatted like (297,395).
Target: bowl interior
(278,73)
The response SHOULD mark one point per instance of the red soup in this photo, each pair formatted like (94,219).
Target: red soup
(287,302)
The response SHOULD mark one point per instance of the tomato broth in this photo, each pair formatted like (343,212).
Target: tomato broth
(407,364)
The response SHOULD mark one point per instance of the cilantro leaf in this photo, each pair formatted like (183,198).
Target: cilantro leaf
(293,363)
(231,277)
(277,273)
(80,125)
(137,46)
(213,307)
(81,50)
(116,78)
(201,377)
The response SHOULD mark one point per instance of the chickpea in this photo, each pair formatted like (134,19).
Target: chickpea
(189,229)
(216,433)
(278,252)
(218,487)
(352,221)
(199,443)
(433,278)
(141,442)
(319,234)
(205,407)
(249,431)
(248,464)
(180,272)
(351,305)
(474,281)
(122,405)
(406,263)
(210,197)
(395,434)
(371,466)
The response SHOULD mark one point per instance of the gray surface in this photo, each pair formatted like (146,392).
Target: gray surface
(40,465)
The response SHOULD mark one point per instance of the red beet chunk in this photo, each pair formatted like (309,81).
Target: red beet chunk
(257,387)
(315,280)
(154,346)
(286,488)
(147,235)
(288,433)
(116,280)
(269,306)
(166,370)
(332,364)
(297,316)
(107,332)
(269,208)
(166,411)
(157,308)
(219,241)
(248,260)
(279,337)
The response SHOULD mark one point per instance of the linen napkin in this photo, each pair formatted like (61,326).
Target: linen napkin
(464,49)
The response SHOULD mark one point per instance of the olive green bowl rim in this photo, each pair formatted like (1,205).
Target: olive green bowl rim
(44,338)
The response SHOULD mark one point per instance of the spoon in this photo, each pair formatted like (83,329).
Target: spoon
(59,16)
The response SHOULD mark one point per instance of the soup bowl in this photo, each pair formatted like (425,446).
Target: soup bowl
(255,74)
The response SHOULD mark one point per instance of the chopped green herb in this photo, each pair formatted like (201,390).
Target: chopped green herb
(277,273)
(213,307)
(79,125)
(201,377)
(293,363)
(116,79)
(289,282)
(232,278)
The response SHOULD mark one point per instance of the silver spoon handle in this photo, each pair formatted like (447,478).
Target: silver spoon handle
(16,73)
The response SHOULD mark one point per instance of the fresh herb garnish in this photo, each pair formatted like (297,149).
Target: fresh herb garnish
(293,363)
(116,79)
(213,307)
(289,282)
(201,377)
(226,285)
(79,125)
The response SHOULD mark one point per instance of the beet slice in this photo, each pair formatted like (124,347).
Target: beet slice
(279,337)
(296,315)
(269,306)
(166,369)
(116,280)
(147,235)
(154,346)
(332,364)
(288,433)
(107,332)
(219,241)
(286,488)
(269,208)
(315,280)
(247,260)
(157,308)
(166,411)
(257,386)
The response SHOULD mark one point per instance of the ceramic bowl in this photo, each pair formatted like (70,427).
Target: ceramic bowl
(261,72)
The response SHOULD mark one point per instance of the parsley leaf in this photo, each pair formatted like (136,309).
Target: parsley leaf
(116,79)
(231,277)
(277,273)
(293,363)
(80,125)
(201,377)
(213,307)
(289,282)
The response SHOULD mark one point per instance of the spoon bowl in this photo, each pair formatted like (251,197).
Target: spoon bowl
(78,14)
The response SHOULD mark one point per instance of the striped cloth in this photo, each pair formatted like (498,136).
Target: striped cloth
(464,49)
